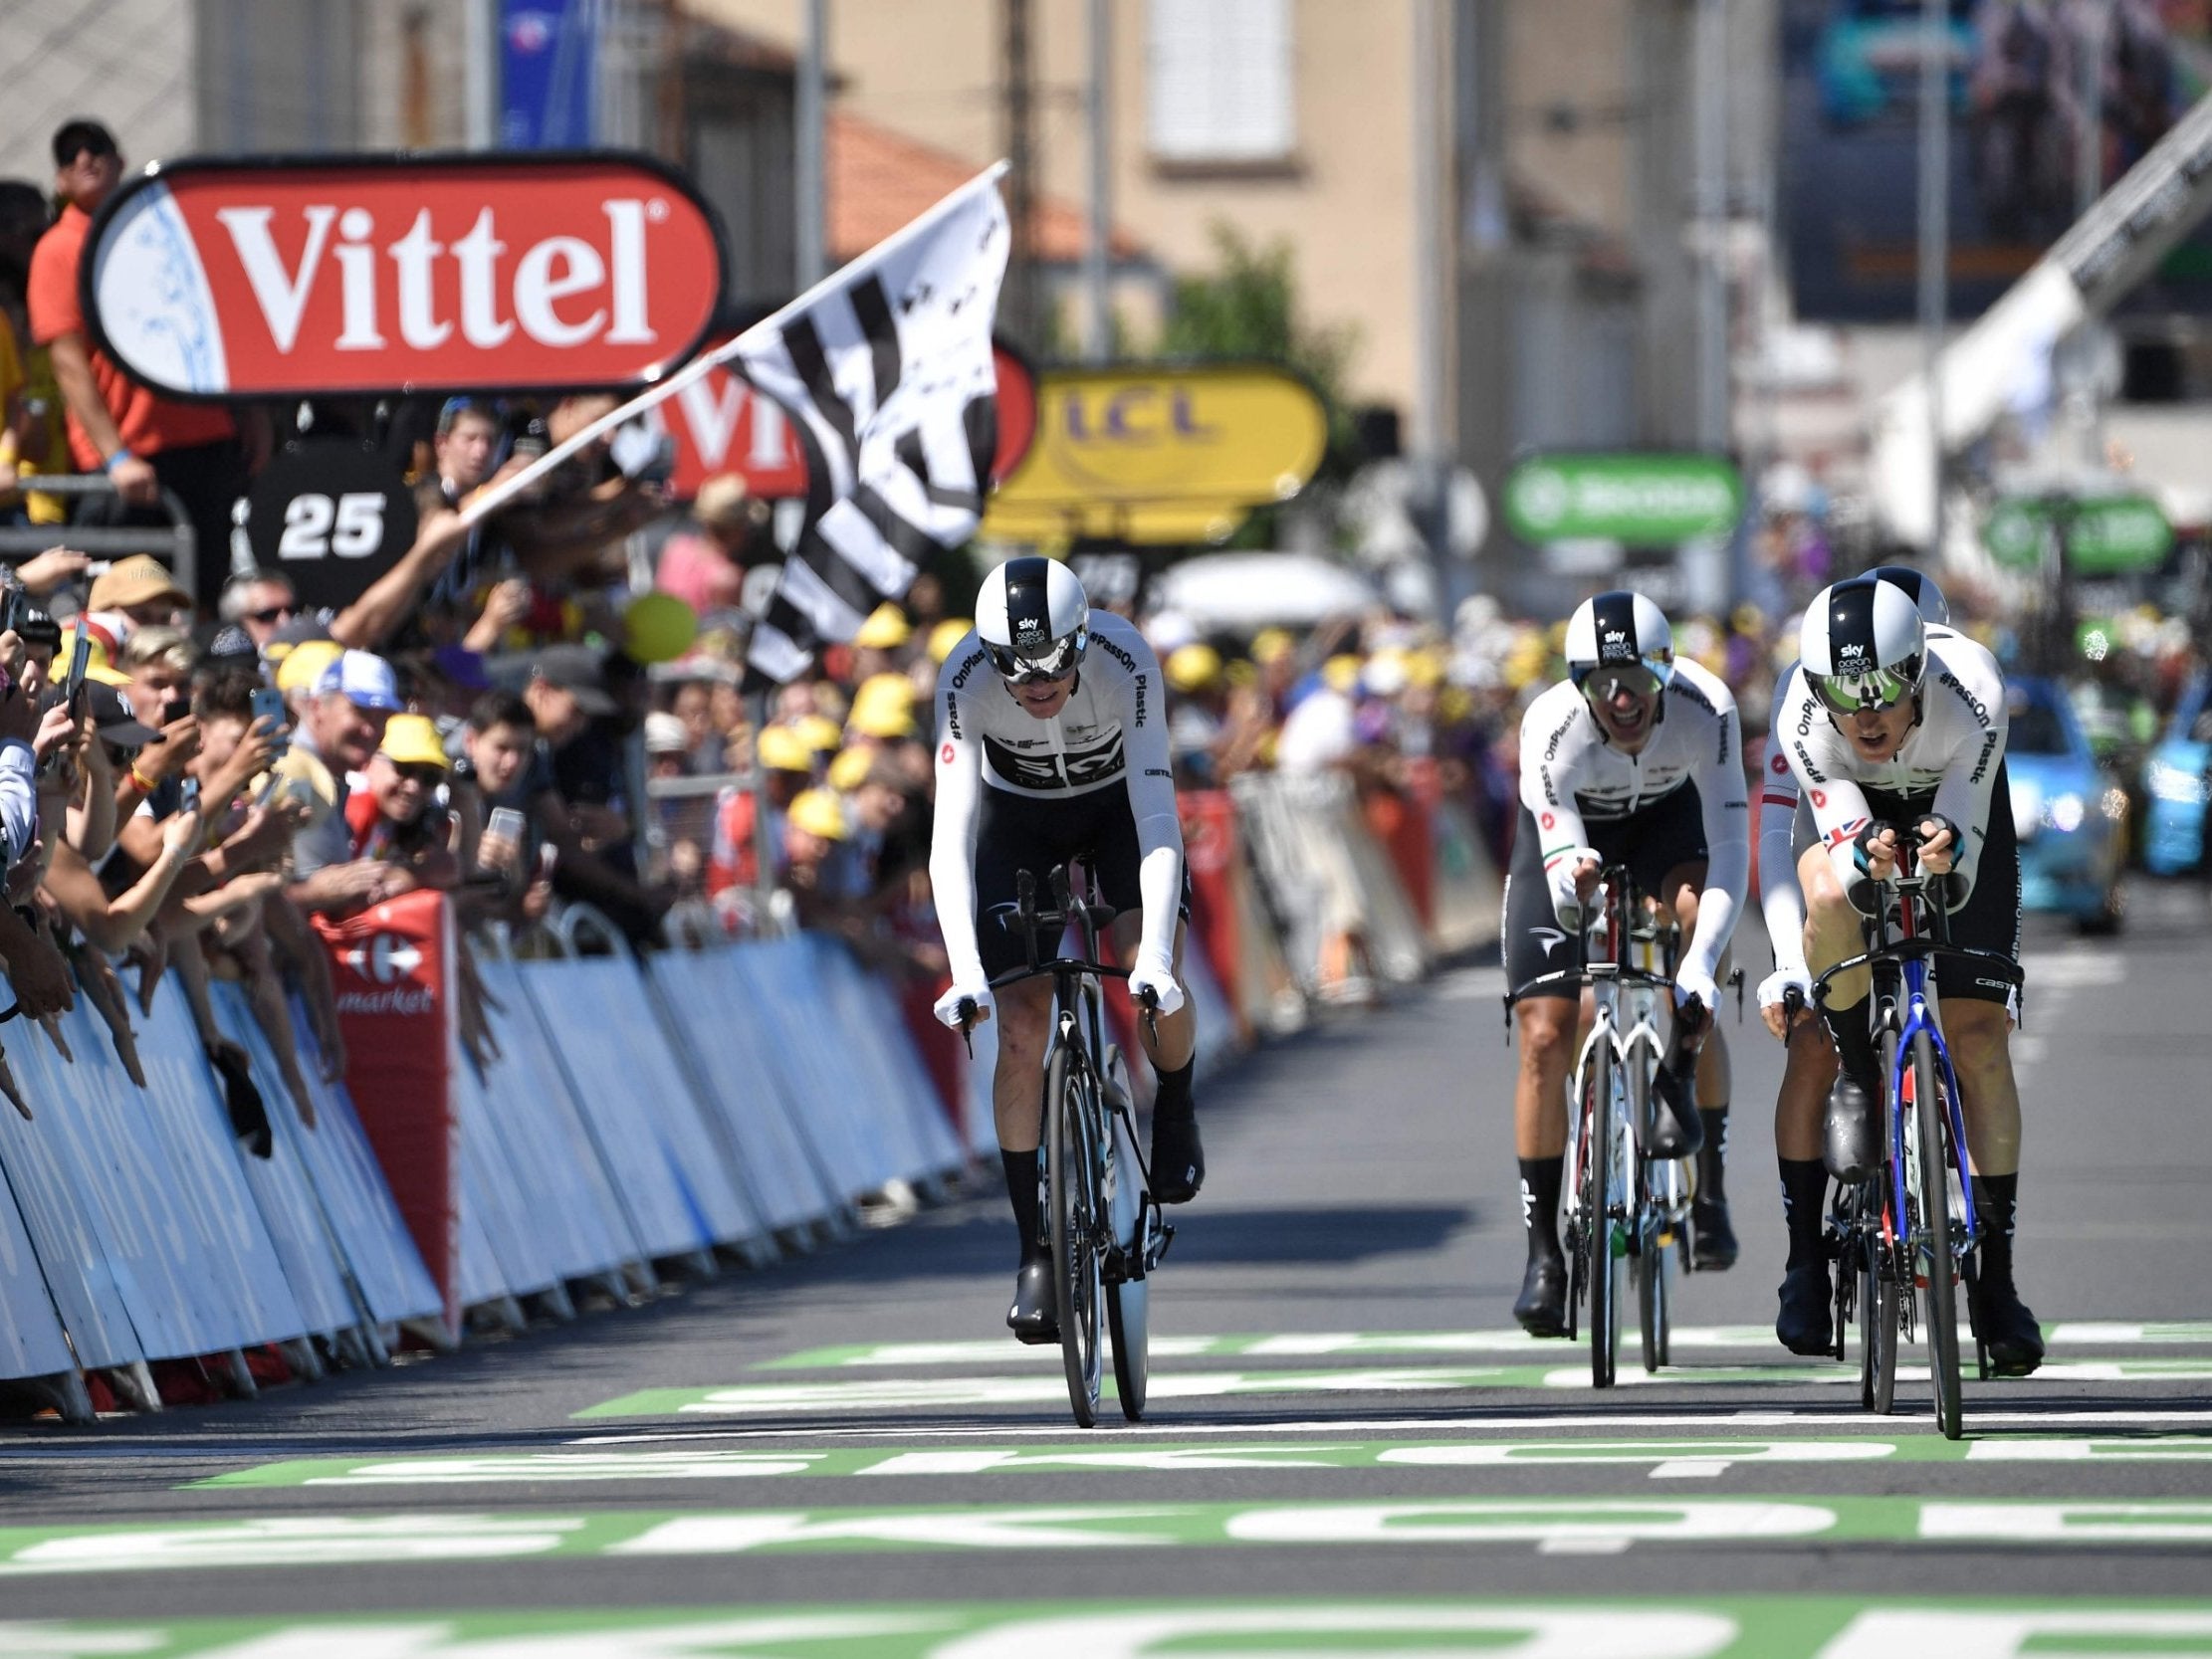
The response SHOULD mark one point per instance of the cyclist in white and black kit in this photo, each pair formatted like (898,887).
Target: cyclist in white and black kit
(1636,759)
(1886,725)
(1052,745)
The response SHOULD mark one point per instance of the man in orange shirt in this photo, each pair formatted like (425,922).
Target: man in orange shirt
(144,443)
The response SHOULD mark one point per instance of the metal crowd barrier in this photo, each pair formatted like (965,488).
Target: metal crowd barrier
(178,544)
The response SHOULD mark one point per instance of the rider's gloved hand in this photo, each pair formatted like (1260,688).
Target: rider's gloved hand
(1160,979)
(947,1005)
(1695,985)
(1774,988)
(1568,877)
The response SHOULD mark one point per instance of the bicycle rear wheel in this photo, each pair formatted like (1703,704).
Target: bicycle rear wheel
(1601,1267)
(1933,1236)
(1129,1301)
(1074,1228)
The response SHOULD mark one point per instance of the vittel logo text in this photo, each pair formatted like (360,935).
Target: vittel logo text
(560,291)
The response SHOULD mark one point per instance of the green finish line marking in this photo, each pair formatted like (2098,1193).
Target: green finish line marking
(1561,1525)
(1334,1344)
(1674,1459)
(880,1394)
(1599,1627)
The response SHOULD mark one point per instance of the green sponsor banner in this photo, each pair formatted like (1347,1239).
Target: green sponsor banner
(273,1543)
(1659,1459)
(1644,501)
(1736,1628)
(892,1392)
(2106,536)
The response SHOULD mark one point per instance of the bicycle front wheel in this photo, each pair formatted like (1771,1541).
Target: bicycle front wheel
(1074,1223)
(1933,1236)
(1650,1265)
(1128,1301)
(1603,1267)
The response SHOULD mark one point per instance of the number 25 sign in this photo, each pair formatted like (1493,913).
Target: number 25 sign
(333,514)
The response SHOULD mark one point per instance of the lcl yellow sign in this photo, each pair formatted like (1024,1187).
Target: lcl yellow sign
(1158,455)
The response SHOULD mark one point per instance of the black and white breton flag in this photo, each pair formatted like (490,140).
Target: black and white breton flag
(887,368)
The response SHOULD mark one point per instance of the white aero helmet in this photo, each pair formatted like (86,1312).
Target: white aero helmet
(1032,619)
(1863,645)
(1920,588)
(1619,630)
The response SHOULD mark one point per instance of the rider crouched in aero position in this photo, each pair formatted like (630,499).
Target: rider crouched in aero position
(1635,761)
(1052,745)
(1887,723)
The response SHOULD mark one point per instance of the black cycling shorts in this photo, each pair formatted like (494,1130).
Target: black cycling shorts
(1990,918)
(1019,832)
(1662,837)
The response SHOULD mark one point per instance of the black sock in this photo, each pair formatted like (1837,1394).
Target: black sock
(1855,1045)
(1021,1193)
(1995,1199)
(1804,1200)
(1712,1157)
(1173,1099)
(1540,1204)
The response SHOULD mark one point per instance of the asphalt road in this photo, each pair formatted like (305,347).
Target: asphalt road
(1349,1448)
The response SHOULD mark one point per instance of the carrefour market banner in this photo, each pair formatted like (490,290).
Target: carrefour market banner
(362,275)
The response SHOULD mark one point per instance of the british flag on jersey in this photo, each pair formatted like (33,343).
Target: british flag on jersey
(888,369)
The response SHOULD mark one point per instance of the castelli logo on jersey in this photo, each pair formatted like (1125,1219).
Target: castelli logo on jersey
(1780,765)
(236,279)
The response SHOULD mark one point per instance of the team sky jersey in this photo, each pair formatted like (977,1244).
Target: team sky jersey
(1571,773)
(1113,732)
(1784,827)
(1951,754)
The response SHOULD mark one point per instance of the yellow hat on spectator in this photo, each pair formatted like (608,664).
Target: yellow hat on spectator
(98,667)
(1270,643)
(883,707)
(818,812)
(1194,668)
(946,635)
(305,664)
(850,769)
(1426,666)
(1341,673)
(820,733)
(781,749)
(413,741)
(885,630)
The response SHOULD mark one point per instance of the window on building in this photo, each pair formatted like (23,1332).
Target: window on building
(1219,87)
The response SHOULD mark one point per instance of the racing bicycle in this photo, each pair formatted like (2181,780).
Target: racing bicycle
(1910,1225)
(1626,1212)
(1105,1231)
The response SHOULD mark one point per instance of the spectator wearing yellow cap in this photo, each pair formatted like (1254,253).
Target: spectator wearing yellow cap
(1199,681)
(883,644)
(883,710)
(139,590)
(818,866)
(398,819)
(946,635)
(786,770)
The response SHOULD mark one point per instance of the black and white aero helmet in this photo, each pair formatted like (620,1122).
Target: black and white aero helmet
(1863,645)
(1620,631)
(1033,619)
(1920,588)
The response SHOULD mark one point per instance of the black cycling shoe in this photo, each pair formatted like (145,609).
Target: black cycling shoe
(1807,1322)
(1853,1148)
(1542,1305)
(2009,1332)
(1676,1129)
(1177,1158)
(1712,1241)
(1032,1318)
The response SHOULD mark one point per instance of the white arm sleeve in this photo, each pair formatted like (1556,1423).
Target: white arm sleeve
(1968,793)
(1780,895)
(1727,814)
(19,801)
(1143,714)
(960,775)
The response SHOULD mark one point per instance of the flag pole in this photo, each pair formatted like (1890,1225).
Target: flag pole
(489,501)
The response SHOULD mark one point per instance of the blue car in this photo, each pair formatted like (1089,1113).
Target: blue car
(2071,814)
(2177,783)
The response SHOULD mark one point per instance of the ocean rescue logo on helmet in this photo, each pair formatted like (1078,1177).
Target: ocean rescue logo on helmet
(1851,659)
(1615,646)
(1029,630)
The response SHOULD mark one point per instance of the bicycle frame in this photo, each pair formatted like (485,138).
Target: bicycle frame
(1921,1016)
(1610,988)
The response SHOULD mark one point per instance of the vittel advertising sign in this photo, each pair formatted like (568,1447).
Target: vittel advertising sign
(254,279)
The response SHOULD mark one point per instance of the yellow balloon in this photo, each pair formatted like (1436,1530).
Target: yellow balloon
(658,628)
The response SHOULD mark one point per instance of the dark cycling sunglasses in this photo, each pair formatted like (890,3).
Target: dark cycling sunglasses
(1872,691)
(1017,670)
(1602,685)
(275,613)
